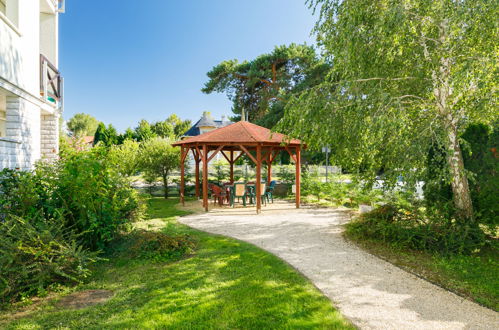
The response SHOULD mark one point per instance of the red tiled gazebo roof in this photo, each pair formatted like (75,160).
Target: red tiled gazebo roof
(242,132)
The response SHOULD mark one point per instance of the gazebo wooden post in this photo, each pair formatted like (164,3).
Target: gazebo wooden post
(269,168)
(197,158)
(297,181)
(205,177)
(182,173)
(258,184)
(231,167)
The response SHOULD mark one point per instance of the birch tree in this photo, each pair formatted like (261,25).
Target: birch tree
(405,75)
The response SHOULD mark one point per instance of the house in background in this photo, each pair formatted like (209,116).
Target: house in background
(206,124)
(30,82)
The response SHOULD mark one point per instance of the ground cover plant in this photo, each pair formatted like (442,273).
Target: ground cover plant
(225,283)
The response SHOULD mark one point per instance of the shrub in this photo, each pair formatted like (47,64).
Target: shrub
(51,217)
(312,185)
(159,246)
(84,188)
(17,193)
(37,252)
(92,196)
(221,171)
(126,157)
(286,173)
(409,228)
(482,163)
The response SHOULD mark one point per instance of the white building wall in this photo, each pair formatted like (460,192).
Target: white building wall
(29,28)
(20,46)
(21,146)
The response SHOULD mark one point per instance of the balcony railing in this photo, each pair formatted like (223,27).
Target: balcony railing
(51,82)
(59,5)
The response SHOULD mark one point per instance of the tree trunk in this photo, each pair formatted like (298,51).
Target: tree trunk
(443,93)
(459,182)
(165,186)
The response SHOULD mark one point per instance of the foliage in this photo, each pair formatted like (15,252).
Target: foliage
(171,128)
(482,161)
(126,157)
(238,174)
(36,254)
(261,86)
(159,246)
(410,228)
(144,131)
(84,188)
(338,193)
(286,173)
(158,158)
(405,74)
(128,135)
(312,185)
(163,129)
(94,197)
(82,124)
(17,194)
(180,126)
(221,171)
(483,167)
(52,217)
(107,136)
(226,284)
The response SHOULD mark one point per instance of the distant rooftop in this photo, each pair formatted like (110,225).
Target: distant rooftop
(208,122)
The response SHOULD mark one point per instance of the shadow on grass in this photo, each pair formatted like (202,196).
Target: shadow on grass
(226,284)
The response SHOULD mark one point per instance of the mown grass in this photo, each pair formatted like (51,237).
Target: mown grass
(472,276)
(225,284)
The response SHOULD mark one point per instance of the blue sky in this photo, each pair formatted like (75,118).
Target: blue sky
(124,60)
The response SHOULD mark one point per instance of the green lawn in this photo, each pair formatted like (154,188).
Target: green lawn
(474,277)
(225,284)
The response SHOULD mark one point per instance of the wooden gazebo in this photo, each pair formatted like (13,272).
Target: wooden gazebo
(258,143)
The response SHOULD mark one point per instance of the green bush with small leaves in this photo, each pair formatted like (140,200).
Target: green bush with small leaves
(411,228)
(156,245)
(36,253)
(56,219)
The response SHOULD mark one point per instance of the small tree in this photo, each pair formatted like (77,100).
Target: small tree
(108,136)
(221,171)
(144,131)
(158,158)
(128,135)
(82,124)
(126,157)
(162,129)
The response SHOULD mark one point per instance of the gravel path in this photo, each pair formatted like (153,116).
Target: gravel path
(370,292)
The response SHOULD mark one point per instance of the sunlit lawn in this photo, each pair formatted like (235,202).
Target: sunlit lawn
(225,284)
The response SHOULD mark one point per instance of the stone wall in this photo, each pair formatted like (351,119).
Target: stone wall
(21,146)
(50,136)
(9,151)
